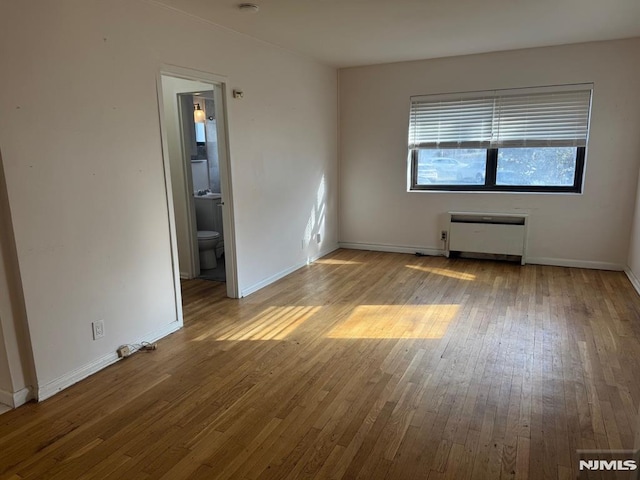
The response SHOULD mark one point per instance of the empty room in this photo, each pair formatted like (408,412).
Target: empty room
(319,239)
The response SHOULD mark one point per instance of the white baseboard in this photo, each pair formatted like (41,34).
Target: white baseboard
(184,276)
(565,262)
(23,396)
(51,388)
(15,399)
(6,398)
(435,252)
(274,278)
(557,262)
(633,279)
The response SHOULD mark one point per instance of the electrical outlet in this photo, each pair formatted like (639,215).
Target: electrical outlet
(318,238)
(443,235)
(124,351)
(98,329)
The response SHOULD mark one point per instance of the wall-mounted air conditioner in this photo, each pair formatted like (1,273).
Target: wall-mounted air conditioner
(488,233)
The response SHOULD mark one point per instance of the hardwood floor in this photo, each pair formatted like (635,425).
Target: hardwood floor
(362,365)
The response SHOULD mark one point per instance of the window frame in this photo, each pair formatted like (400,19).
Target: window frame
(491,174)
(490,120)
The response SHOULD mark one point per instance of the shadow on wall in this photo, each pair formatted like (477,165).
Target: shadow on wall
(13,316)
(315,229)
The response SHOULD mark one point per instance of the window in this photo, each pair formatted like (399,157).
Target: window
(521,140)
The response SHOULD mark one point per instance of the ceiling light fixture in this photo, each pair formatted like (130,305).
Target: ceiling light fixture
(198,114)
(248,7)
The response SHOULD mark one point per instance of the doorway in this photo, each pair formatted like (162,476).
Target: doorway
(199,136)
(198,176)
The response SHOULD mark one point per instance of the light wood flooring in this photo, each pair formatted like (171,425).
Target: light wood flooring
(362,365)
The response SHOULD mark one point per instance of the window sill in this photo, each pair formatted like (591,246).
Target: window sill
(501,192)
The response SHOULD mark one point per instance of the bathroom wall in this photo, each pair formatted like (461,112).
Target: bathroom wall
(211,131)
(88,199)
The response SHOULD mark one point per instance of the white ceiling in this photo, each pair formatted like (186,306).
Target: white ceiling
(361,32)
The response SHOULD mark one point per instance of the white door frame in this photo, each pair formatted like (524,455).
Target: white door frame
(221,99)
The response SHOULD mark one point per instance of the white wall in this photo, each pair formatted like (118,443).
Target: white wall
(633,261)
(6,385)
(587,230)
(82,152)
(16,364)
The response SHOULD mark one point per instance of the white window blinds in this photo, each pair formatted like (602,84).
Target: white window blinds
(526,117)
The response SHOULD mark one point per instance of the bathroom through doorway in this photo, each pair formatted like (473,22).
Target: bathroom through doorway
(201,156)
(194,126)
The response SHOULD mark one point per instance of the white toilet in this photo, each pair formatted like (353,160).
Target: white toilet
(207,241)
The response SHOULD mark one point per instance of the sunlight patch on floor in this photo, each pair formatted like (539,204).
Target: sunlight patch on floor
(334,261)
(273,323)
(396,321)
(444,272)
